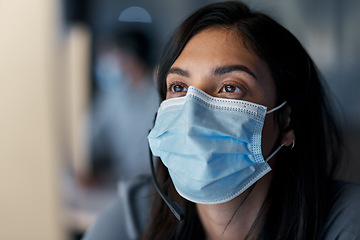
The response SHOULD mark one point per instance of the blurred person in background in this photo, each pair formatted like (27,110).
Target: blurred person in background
(119,120)
(124,107)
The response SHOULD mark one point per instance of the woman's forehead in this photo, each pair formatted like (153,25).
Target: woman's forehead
(216,47)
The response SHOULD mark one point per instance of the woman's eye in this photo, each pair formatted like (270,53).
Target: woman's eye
(230,89)
(178,88)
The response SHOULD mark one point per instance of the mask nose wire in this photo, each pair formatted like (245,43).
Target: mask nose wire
(276,108)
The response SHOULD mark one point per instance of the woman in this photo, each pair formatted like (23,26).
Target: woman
(246,135)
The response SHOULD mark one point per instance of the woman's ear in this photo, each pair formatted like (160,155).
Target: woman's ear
(288,138)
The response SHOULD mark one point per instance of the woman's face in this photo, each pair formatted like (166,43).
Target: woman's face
(216,61)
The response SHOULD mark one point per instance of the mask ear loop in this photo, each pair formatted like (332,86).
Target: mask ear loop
(293,144)
(276,108)
(278,149)
(273,154)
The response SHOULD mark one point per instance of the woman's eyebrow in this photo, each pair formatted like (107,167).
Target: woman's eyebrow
(179,71)
(232,68)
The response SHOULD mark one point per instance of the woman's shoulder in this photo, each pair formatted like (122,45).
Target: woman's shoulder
(343,221)
(345,191)
(346,197)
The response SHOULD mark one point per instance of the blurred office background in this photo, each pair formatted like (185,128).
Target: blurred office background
(48,57)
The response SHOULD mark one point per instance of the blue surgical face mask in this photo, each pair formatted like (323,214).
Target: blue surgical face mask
(211,146)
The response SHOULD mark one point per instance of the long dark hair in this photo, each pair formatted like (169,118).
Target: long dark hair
(298,199)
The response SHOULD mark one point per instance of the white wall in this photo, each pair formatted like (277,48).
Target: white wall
(30,200)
